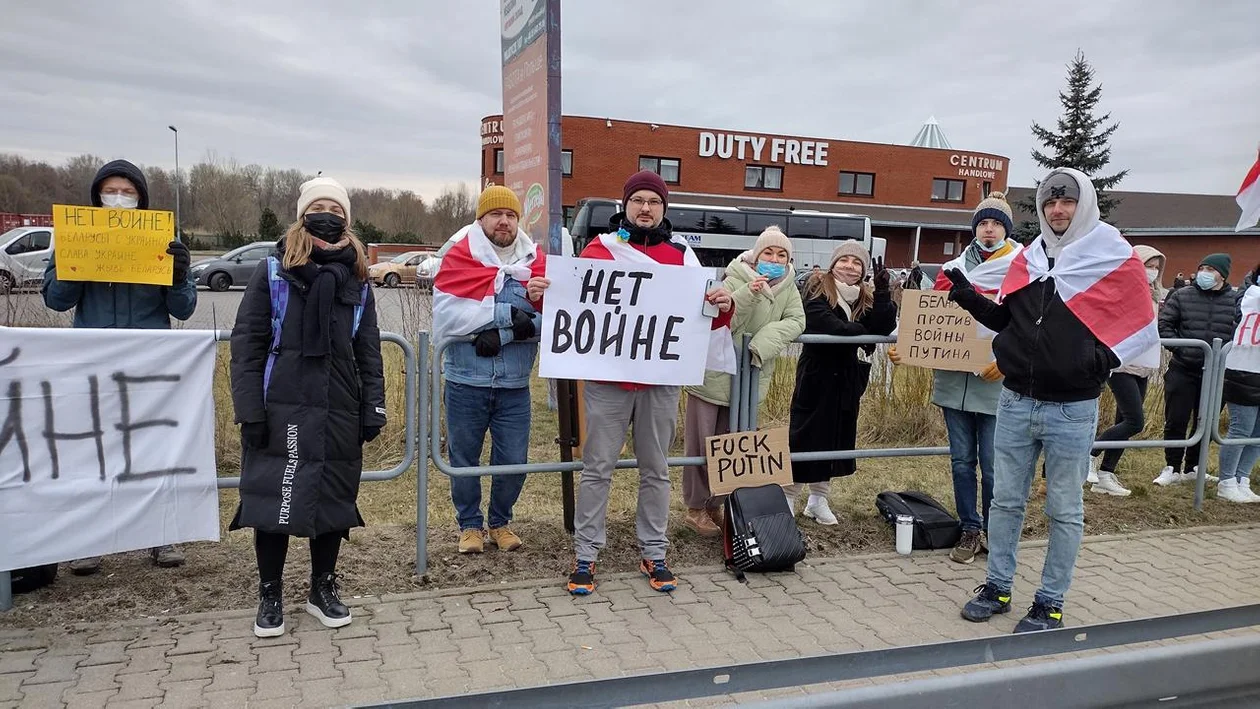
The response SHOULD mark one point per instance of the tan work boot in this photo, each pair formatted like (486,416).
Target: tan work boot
(718,517)
(472,541)
(504,538)
(698,520)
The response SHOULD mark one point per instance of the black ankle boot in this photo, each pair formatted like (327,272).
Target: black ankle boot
(324,603)
(270,620)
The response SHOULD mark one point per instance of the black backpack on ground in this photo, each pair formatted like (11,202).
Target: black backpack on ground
(759,532)
(934,526)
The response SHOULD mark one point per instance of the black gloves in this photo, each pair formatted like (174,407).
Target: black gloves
(488,343)
(183,259)
(961,291)
(255,435)
(882,279)
(522,325)
(369,433)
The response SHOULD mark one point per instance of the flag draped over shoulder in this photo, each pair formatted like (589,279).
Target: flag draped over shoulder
(1103,282)
(471,275)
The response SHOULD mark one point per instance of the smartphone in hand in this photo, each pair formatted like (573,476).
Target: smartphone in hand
(710,309)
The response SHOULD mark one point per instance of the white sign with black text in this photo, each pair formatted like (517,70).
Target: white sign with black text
(106,442)
(613,321)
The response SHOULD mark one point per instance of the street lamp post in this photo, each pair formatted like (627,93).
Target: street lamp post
(176,132)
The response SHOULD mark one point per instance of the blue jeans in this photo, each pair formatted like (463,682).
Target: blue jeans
(470,412)
(971,444)
(1025,428)
(1237,461)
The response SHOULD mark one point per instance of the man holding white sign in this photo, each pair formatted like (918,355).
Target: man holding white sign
(644,248)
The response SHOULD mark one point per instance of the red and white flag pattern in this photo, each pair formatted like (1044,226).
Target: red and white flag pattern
(1103,282)
(987,276)
(1249,198)
(471,275)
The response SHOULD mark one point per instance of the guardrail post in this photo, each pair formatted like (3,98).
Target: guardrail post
(1210,416)
(745,375)
(754,397)
(6,591)
(736,410)
(422,457)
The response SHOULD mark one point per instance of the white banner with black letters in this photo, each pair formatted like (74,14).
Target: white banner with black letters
(614,321)
(106,442)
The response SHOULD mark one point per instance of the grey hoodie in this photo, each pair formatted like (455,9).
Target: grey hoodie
(1083,222)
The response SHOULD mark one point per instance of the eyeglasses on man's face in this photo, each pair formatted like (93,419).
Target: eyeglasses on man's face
(640,202)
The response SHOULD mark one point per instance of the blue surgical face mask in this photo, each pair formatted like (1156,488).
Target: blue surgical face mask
(771,270)
(1205,280)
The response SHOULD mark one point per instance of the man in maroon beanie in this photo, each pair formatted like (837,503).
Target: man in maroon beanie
(641,233)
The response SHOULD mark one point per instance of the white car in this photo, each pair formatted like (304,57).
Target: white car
(24,254)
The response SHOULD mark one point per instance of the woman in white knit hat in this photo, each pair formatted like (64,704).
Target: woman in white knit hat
(309,391)
(768,307)
(831,378)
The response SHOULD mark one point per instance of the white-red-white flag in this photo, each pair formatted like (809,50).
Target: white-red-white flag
(1249,198)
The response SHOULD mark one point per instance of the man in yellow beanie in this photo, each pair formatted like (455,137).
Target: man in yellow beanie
(487,295)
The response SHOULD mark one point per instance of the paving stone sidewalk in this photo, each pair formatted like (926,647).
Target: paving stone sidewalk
(530,633)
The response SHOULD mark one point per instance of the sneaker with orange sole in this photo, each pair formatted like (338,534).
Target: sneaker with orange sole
(660,578)
(582,580)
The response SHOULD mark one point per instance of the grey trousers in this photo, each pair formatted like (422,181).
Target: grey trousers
(703,419)
(610,410)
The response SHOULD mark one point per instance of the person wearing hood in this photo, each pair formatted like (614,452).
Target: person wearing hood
(308,388)
(121,185)
(487,371)
(768,307)
(1128,386)
(1242,398)
(1204,310)
(640,234)
(831,378)
(1056,351)
(969,401)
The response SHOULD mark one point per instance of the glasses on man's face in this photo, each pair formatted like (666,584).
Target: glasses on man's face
(641,203)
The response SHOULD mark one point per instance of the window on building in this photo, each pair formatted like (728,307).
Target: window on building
(566,163)
(498,161)
(947,190)
(668,168)
(988,187)
(861,184)
(759,177)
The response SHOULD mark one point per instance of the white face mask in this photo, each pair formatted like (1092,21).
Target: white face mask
(1152,274)
(120,201)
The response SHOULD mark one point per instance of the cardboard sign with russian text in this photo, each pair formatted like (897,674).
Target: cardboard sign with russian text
(113,245)
(748,459)
(937,334)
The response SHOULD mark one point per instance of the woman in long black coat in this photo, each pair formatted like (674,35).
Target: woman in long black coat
(831,378)
(307,403)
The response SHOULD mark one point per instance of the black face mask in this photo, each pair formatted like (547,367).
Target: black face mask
(324,225)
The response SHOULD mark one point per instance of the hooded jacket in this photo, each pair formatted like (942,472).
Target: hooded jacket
(1042,348)
(774,319)
(126,305)
(1196,314)
(1146,253)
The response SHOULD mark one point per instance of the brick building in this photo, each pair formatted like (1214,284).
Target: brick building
(918,198)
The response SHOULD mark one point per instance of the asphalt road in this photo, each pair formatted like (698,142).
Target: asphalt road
(400,310)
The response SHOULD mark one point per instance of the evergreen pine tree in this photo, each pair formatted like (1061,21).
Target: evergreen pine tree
(1081,142)
(269,228)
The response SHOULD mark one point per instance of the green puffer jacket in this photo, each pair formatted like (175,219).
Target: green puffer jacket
(774,320)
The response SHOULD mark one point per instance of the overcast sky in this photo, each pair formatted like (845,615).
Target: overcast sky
(391,92)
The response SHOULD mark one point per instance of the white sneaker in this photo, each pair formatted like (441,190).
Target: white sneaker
(1228,490)
(819,510)
(1108,485)
(1167,477)
(1244,491)
(1092,478)
(1193,475)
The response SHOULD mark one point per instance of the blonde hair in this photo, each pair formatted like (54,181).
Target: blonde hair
(298,246)
(824,283)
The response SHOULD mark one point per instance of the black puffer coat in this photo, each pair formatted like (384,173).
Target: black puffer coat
(305,482)
(1194,313)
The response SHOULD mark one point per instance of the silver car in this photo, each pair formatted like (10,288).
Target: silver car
(233,268)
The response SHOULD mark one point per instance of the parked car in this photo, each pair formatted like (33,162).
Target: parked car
(24,254)
(426,271)
(233,268)
(400,270)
